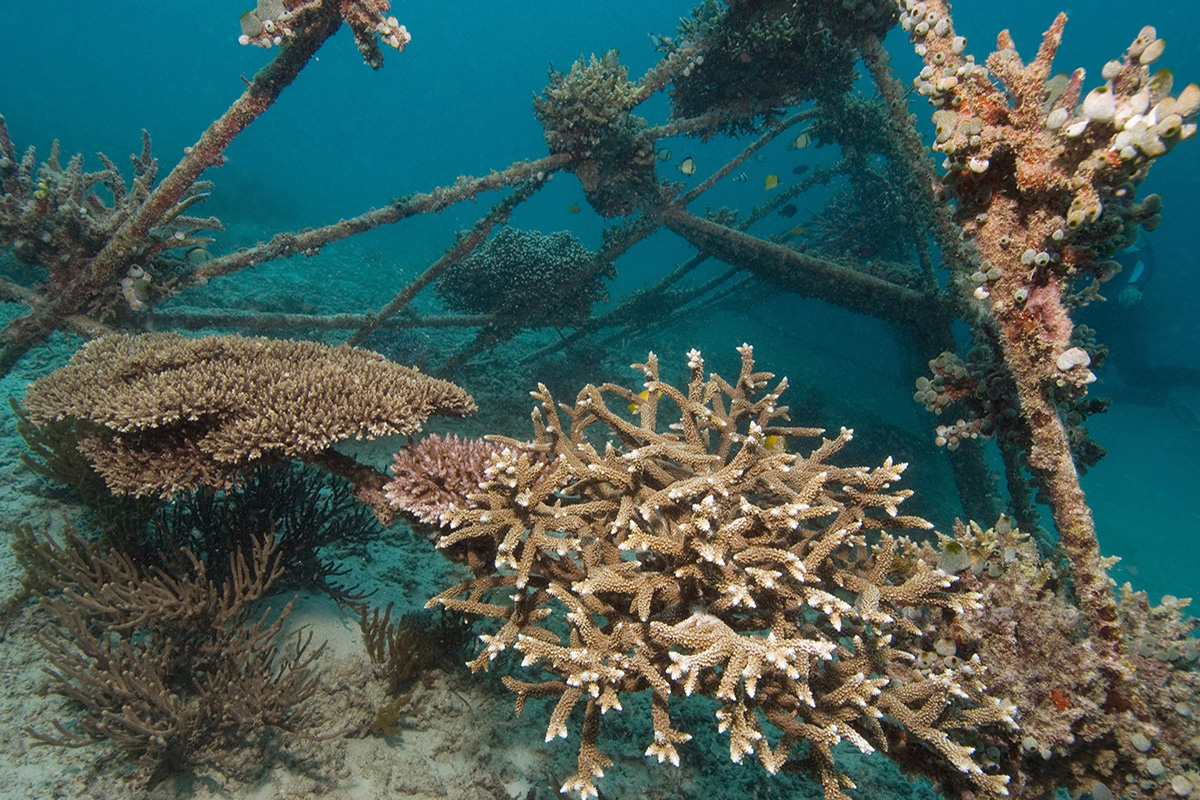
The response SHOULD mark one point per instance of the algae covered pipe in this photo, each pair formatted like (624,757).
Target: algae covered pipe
(118,254)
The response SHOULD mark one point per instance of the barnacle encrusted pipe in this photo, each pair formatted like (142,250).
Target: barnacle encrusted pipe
(1045,190)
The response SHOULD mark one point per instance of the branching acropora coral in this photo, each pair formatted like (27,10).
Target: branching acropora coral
(694,554)
(55,216)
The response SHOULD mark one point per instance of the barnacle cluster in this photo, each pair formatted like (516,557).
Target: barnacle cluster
(273,22)
(1093,151)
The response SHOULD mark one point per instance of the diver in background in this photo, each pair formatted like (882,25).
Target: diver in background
(1123,320)
(1138,264)
(1124,326)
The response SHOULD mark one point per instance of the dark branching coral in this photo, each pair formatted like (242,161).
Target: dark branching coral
(586,113)
(306,510)
(526,279)
(693,554)
(169,667)
(864,221)
(759,57)
(406,649)
(56,217)
(54,454)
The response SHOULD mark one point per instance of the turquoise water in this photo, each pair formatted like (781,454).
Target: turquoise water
(344,139)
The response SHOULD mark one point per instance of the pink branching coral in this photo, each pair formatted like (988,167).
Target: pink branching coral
(435,478)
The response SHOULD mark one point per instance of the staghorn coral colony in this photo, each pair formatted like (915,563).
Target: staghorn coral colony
(682,549)
(698,556)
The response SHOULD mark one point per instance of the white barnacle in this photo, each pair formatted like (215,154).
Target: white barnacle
(1075,129)
(1074,357)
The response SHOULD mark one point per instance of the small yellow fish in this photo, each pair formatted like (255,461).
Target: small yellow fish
(643,396)
(772,182)
(775,443)
(797,231)
(688,166)
(800,142)
(573,208)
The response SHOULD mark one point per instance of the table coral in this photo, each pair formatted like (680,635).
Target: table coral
(173,413)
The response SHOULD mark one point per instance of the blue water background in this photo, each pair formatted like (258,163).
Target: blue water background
(344,139)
